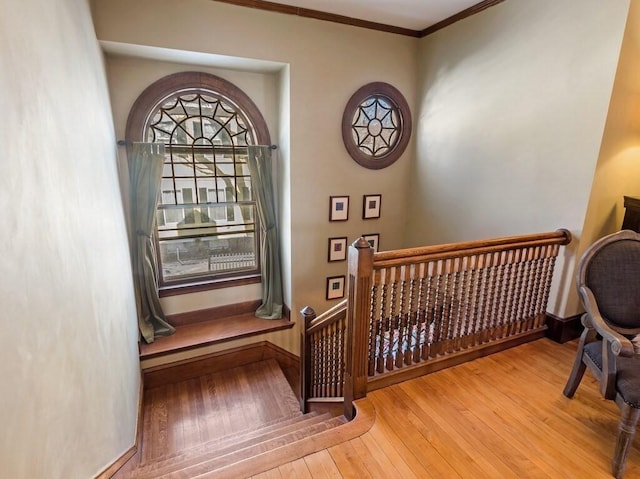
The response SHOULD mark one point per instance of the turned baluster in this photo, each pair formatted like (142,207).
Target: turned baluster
(420,315)
(306,378)
(547,283)
(468,302)
(508,293)
(428,312)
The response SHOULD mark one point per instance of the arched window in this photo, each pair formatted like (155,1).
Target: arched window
(206,216)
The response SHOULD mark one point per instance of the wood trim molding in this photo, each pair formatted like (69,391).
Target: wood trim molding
(154,94)
(472,10)
(190,317)
(356,22)
(219,312)
(132,452)
(318,15)
(562,330)
(219,361)
(178,289)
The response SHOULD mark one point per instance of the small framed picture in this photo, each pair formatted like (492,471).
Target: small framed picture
(374,240)
(338,208)
(335,287)
(337,249)
(371,206)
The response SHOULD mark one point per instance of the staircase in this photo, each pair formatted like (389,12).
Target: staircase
(200,427)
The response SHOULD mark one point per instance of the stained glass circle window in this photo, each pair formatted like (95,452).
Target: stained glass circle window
(376,125)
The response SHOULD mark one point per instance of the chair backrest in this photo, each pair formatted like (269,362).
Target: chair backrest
(610,268)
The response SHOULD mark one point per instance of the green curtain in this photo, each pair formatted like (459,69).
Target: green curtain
(259,162)
(145,170)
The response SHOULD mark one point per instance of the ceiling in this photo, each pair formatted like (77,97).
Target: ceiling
(410,14)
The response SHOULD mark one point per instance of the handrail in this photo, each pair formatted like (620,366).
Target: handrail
(329,317)
(449,250)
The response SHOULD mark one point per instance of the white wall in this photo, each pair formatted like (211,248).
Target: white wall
(512,107)
(325,64)
(68,335)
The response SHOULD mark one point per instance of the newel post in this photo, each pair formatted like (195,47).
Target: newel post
(359,282)
(308,315)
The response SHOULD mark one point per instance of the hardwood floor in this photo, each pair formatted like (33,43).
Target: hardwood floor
(187,414)
(503,416)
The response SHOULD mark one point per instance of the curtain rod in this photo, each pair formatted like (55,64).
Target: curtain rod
(273,147)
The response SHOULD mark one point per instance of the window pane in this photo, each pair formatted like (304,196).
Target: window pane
(197,256)
(205,186)
(224,169)
(242,169)
(184,190)
(244,189)
(168,193)
(204,164)
(182,165)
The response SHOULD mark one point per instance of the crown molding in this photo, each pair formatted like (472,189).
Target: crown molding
(472,10)
(356,22)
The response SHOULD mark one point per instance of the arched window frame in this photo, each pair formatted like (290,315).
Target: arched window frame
(138,123)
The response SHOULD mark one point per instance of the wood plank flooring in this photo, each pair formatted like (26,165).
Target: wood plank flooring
(186,414)
(503,416)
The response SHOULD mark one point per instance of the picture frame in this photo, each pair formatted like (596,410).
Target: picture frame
(374,240)
(337,250)
(338,208)
(335,287)
(371,206)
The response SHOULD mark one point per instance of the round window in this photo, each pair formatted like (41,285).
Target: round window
(376,125)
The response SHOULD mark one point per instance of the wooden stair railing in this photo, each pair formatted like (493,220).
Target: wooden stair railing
(322,350)
(416,310)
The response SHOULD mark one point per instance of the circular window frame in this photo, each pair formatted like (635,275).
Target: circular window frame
(363,94)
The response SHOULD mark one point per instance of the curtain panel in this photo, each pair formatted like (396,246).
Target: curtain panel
(259,162)
(145,169)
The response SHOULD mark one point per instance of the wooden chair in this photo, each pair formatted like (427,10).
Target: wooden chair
(608,281)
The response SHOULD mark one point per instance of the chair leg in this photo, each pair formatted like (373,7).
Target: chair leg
(579,367)
(626,432)
(575,377)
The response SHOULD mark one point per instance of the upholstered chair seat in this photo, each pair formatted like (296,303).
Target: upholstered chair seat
(608,281)
(627,373)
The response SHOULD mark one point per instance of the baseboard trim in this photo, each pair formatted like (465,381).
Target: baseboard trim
(132,452)
(218,361)
(562,330)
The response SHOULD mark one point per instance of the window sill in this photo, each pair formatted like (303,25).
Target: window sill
(214,331)
(178,289)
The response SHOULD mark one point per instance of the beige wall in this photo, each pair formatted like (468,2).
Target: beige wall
(68,336)
(512,105)
(324,64)
(618,169)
